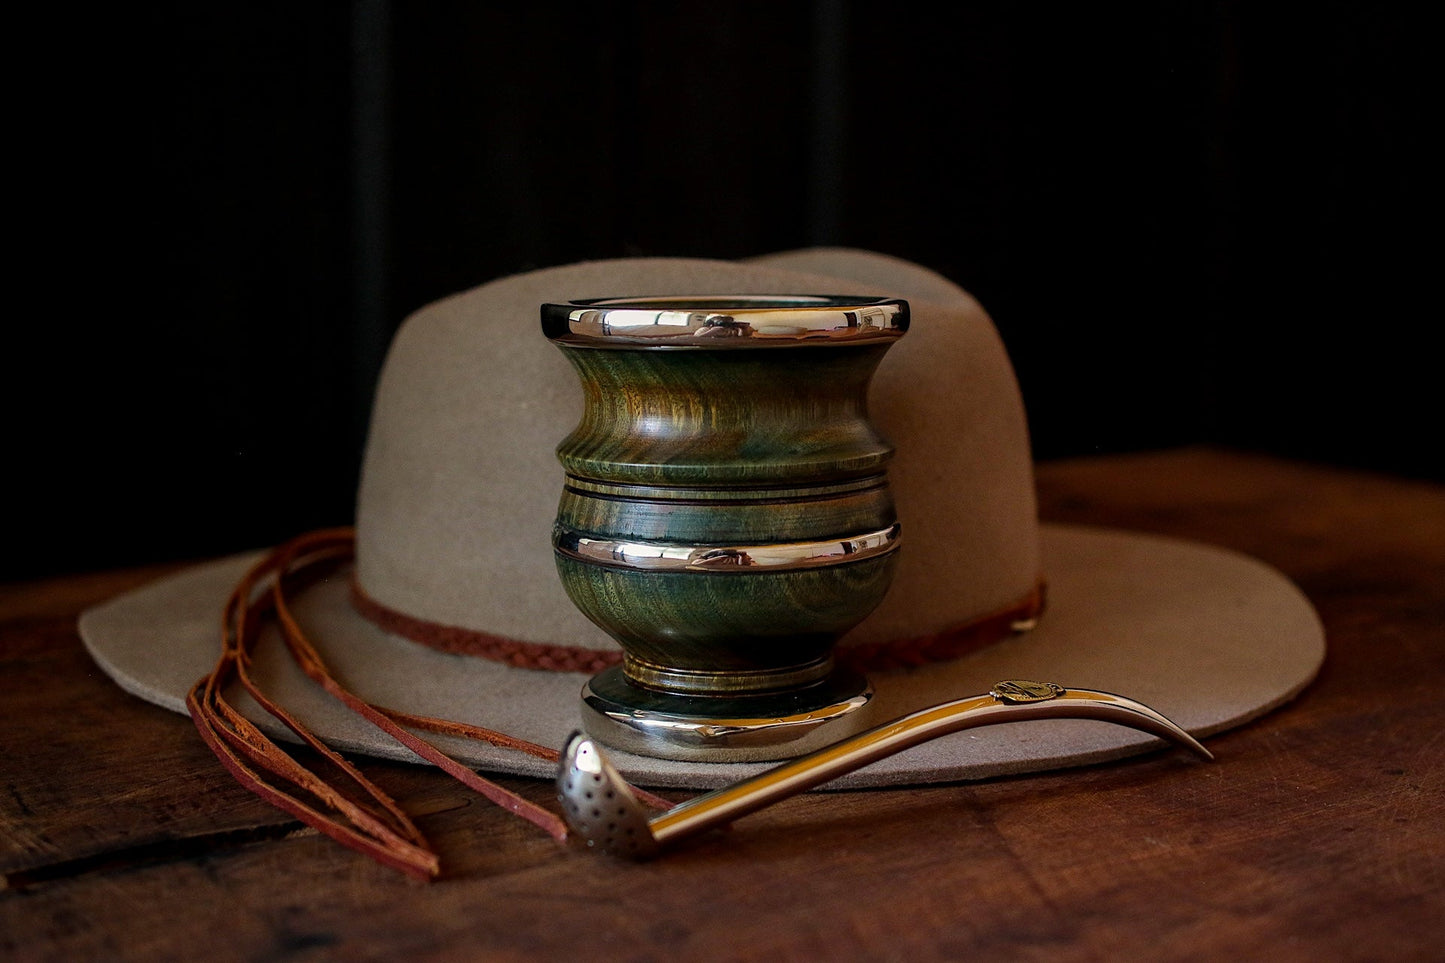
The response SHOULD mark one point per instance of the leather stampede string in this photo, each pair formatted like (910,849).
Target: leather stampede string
(365,817)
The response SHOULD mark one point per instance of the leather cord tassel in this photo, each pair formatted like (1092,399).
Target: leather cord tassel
(355,812)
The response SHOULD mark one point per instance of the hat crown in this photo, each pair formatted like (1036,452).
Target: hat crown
(460,484)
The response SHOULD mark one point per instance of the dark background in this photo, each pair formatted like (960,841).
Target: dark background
(1192,222)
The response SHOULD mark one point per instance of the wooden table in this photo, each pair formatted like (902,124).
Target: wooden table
(1319,834)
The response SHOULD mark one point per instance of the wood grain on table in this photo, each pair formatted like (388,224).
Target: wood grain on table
(1318,834)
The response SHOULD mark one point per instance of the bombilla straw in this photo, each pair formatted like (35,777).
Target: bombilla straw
(602,809)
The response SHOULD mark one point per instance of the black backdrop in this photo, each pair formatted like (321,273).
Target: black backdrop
(1190,221)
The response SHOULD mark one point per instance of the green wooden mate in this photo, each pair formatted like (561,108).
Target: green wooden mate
(726,514)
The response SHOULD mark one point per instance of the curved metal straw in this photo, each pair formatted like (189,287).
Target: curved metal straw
(601,808)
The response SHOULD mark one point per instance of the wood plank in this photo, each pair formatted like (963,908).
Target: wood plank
(1316,834)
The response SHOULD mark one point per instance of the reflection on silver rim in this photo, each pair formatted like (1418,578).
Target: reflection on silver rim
(669,557)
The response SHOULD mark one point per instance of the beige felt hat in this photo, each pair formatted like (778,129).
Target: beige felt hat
(460,488)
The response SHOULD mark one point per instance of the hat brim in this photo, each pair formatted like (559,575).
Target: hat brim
(1207,636)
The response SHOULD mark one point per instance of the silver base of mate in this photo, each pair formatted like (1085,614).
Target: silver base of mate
(757,728)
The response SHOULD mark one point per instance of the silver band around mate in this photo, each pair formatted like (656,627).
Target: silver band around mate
(782,556)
